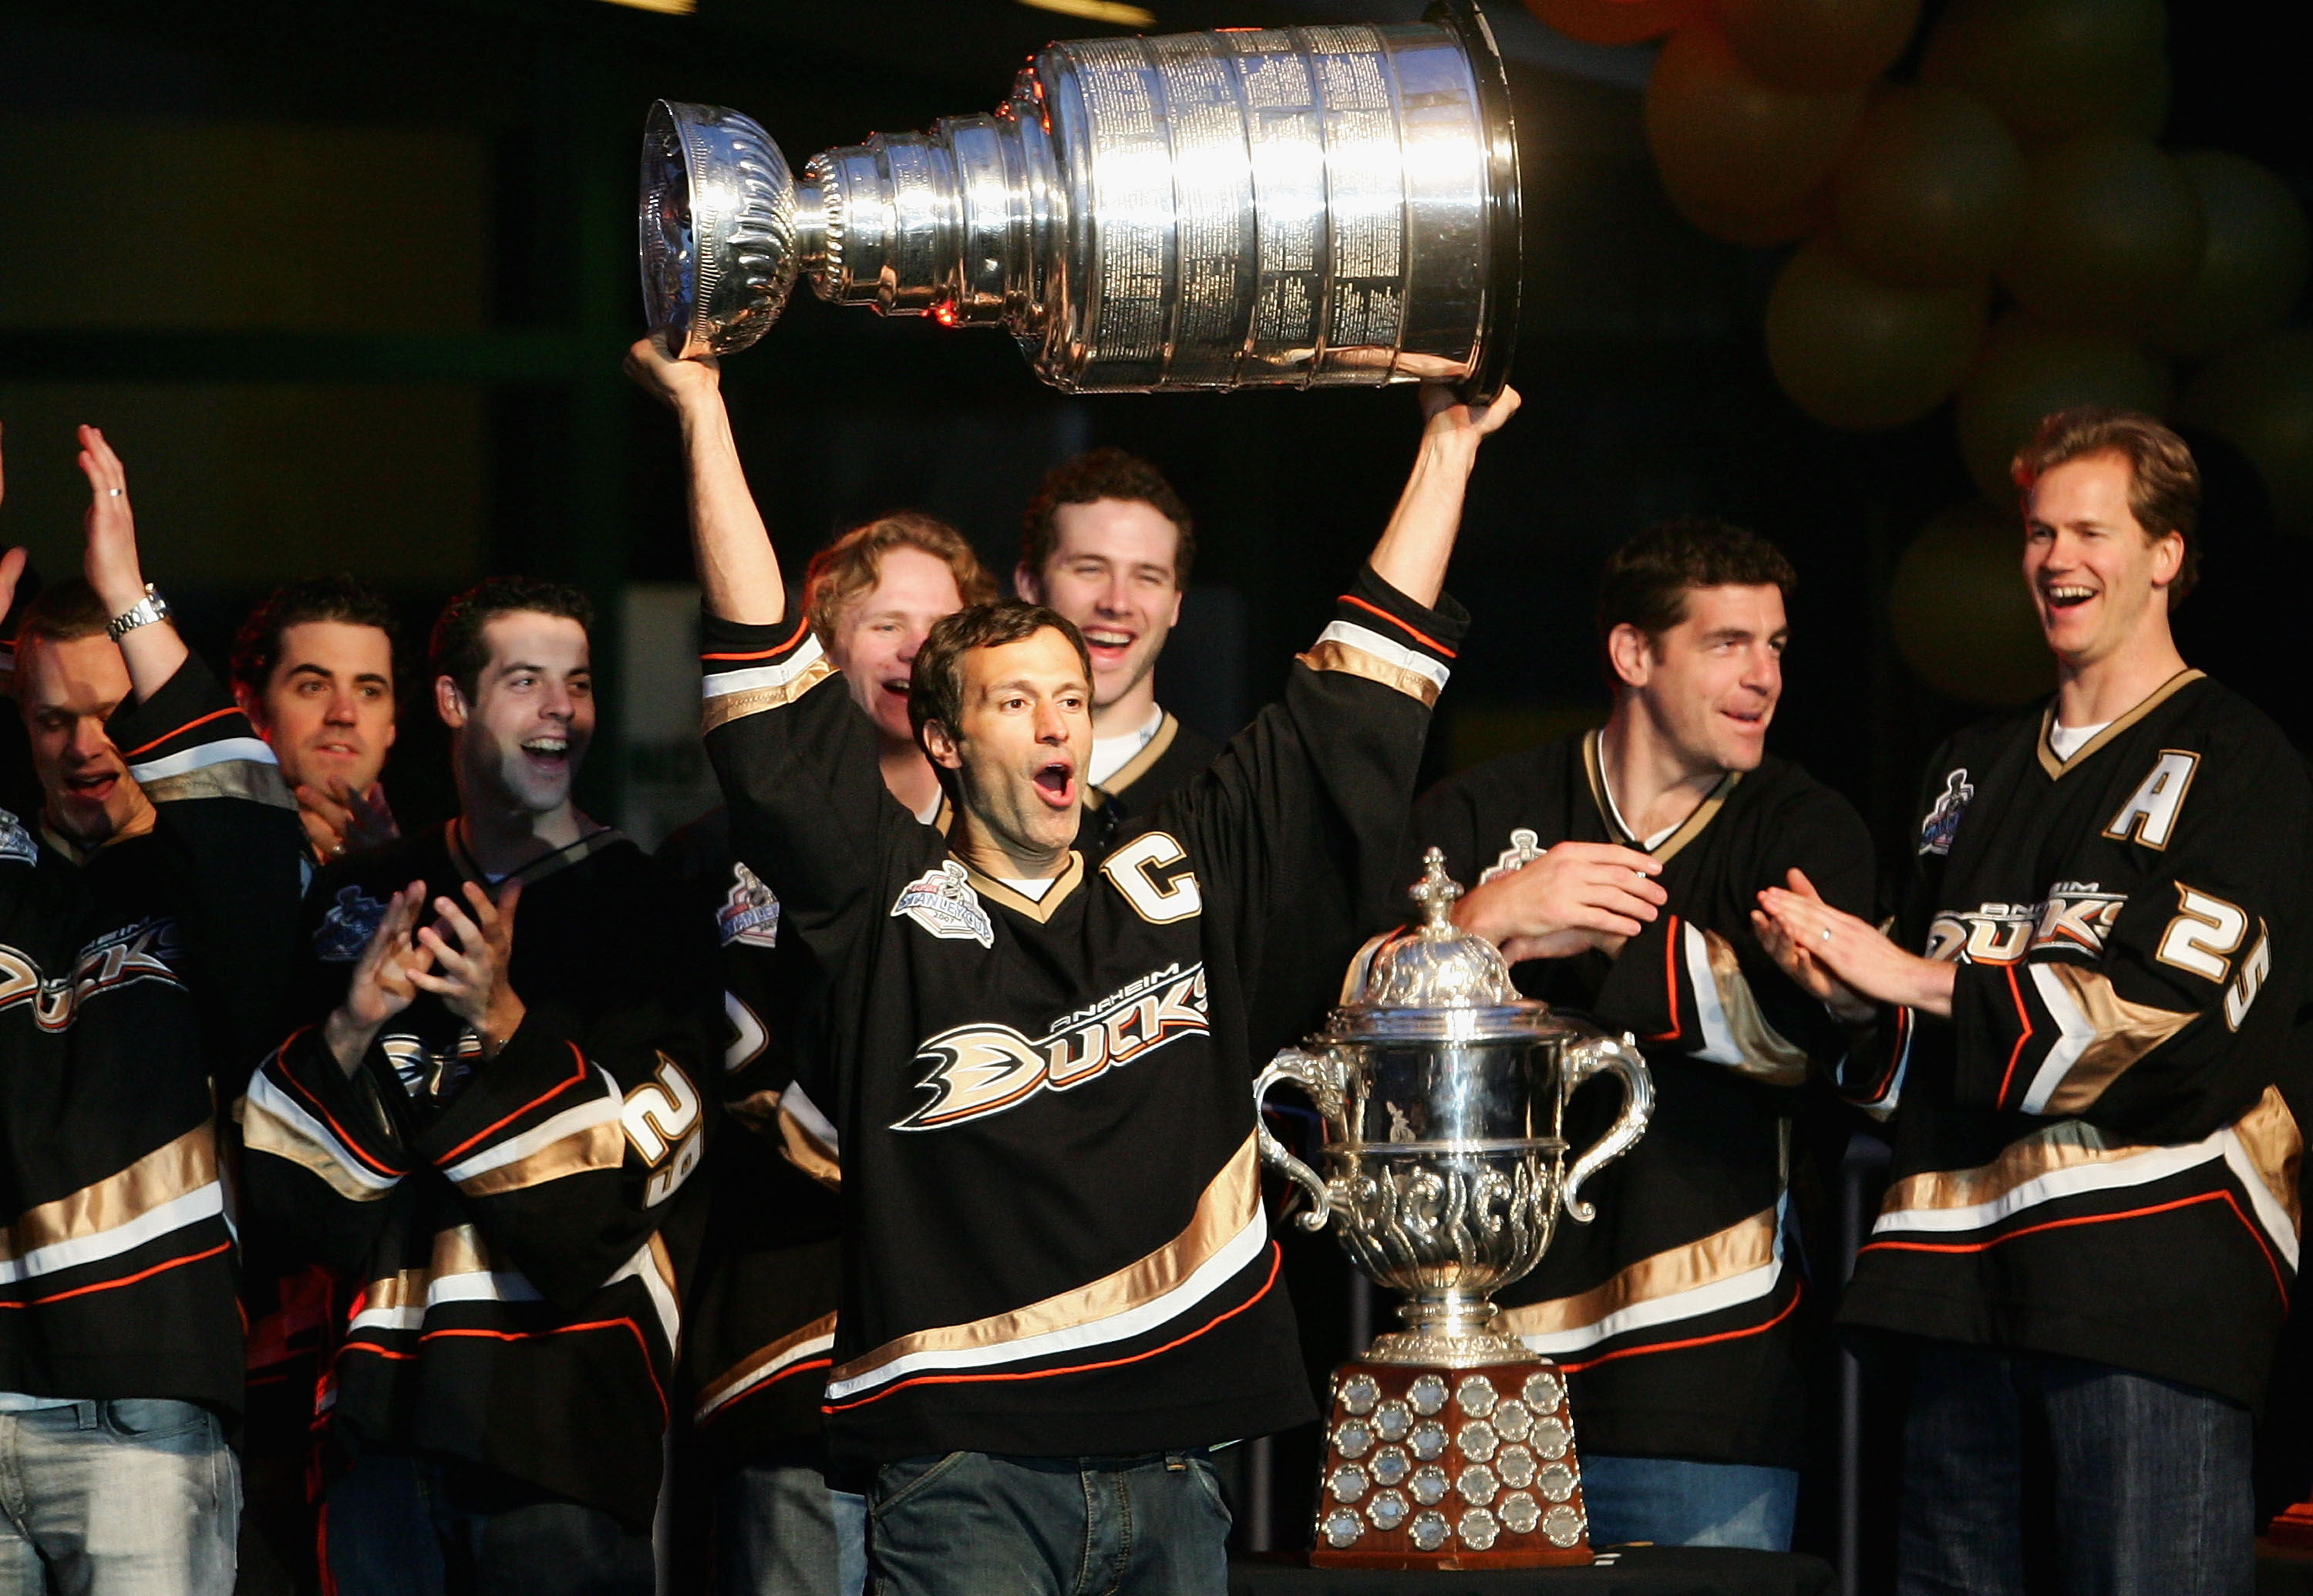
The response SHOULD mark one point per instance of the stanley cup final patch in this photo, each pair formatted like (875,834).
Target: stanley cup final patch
(346,929)
(1524,848)
(749,911)
(942,903)
(1942,824)
(15,841)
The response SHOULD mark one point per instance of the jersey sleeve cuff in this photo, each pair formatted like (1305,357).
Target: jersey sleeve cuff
(747,669)
(302,1108)
(536,1112)
(189,741)
(1379,633)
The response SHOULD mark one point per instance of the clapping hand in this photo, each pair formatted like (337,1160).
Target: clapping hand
(383,980)
(339,821)
(1842,960)
(1576,895)
(470,976)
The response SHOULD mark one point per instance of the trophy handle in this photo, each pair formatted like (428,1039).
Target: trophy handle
(1604,1054)
(1322,1079)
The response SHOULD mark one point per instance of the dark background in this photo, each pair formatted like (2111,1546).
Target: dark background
(349,287)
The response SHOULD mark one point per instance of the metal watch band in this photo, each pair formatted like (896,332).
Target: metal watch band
(146,610)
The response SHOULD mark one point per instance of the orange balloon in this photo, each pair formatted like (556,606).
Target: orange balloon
(1931,193)
(1961,617)
(1858,354)
(2253,264)
(1612,21)
(2260,398)
(2113,232)
(2028,370)
(1816,46)
(1738,155)
(2057,68)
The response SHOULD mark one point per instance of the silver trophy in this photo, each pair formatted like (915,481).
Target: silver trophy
(1444,1093)
(1258,207)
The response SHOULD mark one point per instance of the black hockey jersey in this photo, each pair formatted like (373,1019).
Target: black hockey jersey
(1115,807)
(513,1224)
(761,1315)
(1674,1313)
(1054,1241)
(2093,1156)
(137,982)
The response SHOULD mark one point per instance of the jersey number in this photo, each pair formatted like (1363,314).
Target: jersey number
(2149,814)
(2203,936)
(660,1113)
(2253,969)
(1158,902)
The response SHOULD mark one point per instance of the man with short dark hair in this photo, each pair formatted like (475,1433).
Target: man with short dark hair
(313,668)
(1108,544)
(145,923)
(1617,870)
(2092,1233)
(1058,1287)
(489,1126)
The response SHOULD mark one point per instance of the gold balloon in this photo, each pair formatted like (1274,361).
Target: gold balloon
(2057,68)
(2252,266)
(1857,354)
(1612,21)
(1930,192)
(2112,233)
(1961,617)
(2260,398)
(1817,45)
(1737,154)
(2027,370)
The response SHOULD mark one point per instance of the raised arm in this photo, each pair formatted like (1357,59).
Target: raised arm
(738,570)
(1418,540)
(153,652)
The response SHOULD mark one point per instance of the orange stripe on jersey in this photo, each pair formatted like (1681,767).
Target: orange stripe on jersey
(1797,1289)
(2016,1052)
(181,731)
(1670,980)
(110,1286)
(577,1078)
(1423,637)
(2098,1219)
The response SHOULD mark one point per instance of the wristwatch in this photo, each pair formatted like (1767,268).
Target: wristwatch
(146,610)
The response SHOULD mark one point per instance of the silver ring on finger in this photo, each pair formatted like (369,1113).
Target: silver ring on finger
(1826,933)
(114,492)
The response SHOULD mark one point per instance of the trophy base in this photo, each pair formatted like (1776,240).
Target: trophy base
(1418,1349)
(1471,1469)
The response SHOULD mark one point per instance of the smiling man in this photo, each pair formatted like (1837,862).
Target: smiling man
(1058,1288)
(1108,545)
(2092,1233)
(485,1125)
(1617,870)
(313,668)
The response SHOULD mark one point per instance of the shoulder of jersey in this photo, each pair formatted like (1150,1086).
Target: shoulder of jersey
(1517,770)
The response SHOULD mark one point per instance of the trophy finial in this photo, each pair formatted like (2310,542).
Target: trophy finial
(1434,895)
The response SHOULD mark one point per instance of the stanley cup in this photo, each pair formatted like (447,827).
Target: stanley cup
(1288,207)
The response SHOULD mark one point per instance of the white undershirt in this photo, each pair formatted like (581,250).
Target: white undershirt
(1111,755)
(2069,740)
(1614,813)
(930,814)
(1033,888)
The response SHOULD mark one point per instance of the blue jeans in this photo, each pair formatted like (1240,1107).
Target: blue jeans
(137,1496)
(978,1524)
(2147,1481)
(393,1527)
(781,1531)
(1670,1502)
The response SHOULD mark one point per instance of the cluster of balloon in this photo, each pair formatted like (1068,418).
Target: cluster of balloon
(2004,228)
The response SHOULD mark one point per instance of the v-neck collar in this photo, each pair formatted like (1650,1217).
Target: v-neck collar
(537,870)
(1138,766)
(1039,910)
(1691,827)
(2058,768)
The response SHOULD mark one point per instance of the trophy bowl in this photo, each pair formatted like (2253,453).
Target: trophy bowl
(1332,206)
(1443,1097)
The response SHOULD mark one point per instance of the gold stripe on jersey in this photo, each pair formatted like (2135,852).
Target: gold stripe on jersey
(1227,1205)
(2159,695)
(1332,655)
(765,1360)
(246,778)
(1138,766)
(177,1169)
(1689,829)
(1740,1249)
(2069,1144)
(264,1131)
(1767,1054)
(726,708)
(599,1146)
(1039,910)
(2269,1135)
(2124,1032)
(805,1151)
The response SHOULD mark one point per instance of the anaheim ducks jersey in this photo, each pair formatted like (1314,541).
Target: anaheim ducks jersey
(1115,807)
(762,1311)
(2093,1155)
(1054,1241)
(513,1229)
(1674,1312)
(137,982)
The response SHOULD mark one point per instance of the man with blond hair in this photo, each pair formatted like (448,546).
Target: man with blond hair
(2083,1028)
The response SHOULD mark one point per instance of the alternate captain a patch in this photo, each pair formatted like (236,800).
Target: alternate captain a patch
(942,901)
